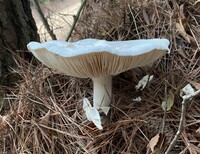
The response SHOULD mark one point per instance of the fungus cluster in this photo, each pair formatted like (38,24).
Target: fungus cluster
(99,60)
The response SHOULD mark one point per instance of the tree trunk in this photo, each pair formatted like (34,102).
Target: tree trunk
(17,28)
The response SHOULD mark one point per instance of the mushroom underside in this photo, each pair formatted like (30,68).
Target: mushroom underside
(96,64)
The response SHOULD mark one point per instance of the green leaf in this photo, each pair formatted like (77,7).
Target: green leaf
(167,104)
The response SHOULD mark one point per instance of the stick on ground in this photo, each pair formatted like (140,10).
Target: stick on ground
(186,99)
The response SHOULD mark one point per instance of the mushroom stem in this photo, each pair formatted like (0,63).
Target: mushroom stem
(102,92)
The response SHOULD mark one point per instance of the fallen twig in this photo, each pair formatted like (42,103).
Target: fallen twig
(44,20)
(75,20)
(186,98)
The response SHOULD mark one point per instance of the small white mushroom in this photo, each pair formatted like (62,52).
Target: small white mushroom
(99,60)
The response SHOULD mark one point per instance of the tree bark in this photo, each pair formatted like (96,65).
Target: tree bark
(17,28)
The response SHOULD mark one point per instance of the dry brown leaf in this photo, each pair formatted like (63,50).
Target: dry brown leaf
(157,144)
(181,11)
(153,142)
(183,24)
(145,16)
(180,28)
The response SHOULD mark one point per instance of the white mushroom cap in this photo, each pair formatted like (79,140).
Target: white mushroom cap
(93,58)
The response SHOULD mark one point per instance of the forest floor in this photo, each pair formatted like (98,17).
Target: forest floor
(44,113)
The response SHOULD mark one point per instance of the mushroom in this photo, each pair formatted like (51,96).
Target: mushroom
(99,60)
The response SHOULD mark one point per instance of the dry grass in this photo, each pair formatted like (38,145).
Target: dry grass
(44,113)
